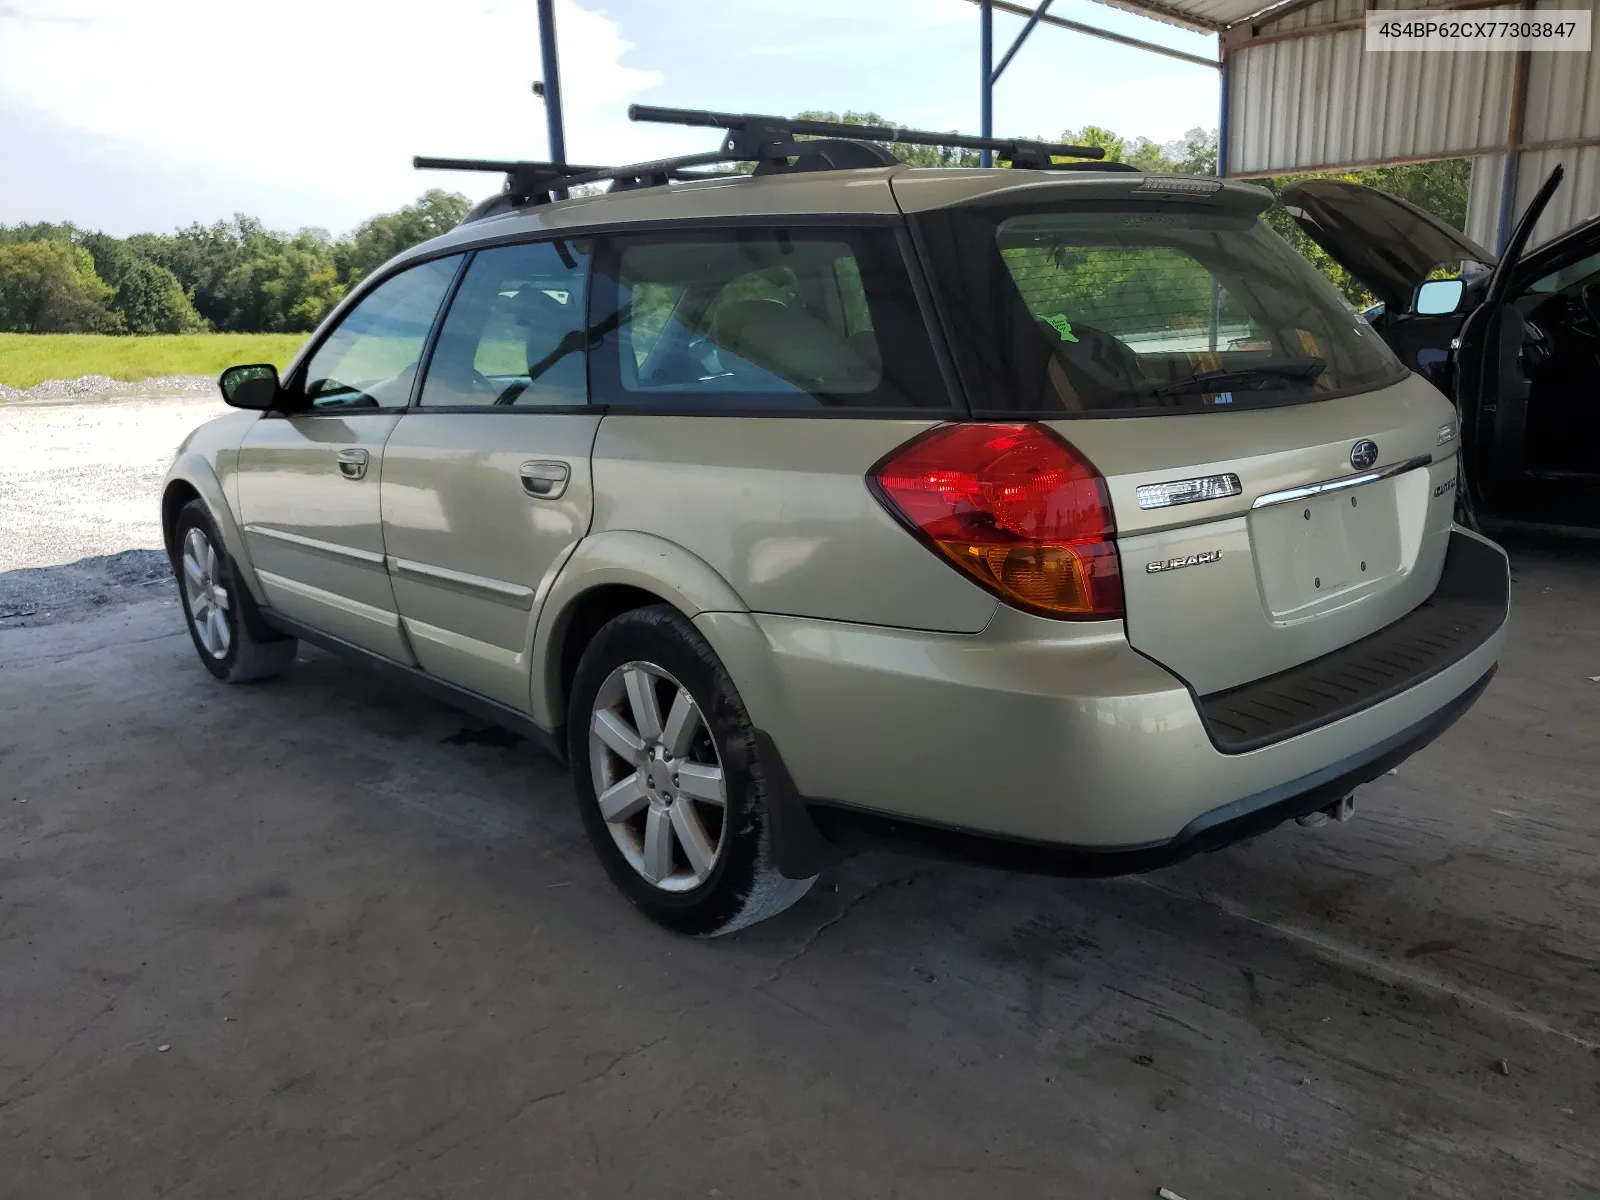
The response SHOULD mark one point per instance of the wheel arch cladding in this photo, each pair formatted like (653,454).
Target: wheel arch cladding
(193,478)
(178,493)
(608,574)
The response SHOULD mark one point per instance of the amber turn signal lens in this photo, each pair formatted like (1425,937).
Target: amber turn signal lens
(1016,508)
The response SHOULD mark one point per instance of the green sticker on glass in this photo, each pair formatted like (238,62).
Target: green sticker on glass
(1058,322)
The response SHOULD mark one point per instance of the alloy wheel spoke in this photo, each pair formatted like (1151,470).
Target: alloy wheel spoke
(683,722)
(642,697)
(620,738)
(623,799)
(657,845)
(220,595)
(697,846)
(702,782)
(215,624)
(191,572)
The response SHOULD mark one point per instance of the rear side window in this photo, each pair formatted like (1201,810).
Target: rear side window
(1076,311)
(761,318)
(514,332)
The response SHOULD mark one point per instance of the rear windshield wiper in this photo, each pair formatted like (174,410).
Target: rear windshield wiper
(1305,369)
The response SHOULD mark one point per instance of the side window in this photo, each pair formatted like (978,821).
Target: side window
(370,360)
(515,331)
(768,318)
(1564,277)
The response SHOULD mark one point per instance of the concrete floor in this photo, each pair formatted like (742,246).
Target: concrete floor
(384,963)
(317,938)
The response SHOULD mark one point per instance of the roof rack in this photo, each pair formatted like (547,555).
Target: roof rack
(773,144)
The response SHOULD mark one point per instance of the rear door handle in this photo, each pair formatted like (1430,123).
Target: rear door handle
(545,480)
(353,463)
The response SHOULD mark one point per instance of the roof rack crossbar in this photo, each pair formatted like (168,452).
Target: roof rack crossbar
(770,142)
(776,129)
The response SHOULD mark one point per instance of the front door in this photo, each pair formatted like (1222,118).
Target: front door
(308,478)
(486,485)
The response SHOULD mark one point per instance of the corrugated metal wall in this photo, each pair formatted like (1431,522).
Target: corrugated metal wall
(1321,101)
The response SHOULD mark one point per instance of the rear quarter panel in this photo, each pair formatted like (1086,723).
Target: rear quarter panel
(779,507)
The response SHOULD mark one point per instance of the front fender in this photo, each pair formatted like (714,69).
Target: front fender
(618,557)
(195,468)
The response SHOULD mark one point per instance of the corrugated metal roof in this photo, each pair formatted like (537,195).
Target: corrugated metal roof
(1319,102)
(1308,97)
(1207,16)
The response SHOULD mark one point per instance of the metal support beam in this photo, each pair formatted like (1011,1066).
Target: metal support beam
(1121,39)
(1515,126)
(1005,59)
(552,82)
(1222,119)
(986,96)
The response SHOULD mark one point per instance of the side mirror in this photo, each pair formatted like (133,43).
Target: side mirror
(1437,297)
(255,386)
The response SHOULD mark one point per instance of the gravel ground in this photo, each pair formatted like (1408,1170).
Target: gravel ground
(82,479)
(88,387)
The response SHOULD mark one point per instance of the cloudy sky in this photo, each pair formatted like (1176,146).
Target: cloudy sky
(131,115)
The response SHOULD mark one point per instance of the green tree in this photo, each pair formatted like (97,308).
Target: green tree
(202,257)
(284,286)
(149,299)
(51,287)
(380,238)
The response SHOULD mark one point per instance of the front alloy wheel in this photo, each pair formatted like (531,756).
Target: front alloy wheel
(658,779)
(207,593)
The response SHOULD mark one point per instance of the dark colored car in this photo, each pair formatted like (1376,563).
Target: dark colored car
(1514,340)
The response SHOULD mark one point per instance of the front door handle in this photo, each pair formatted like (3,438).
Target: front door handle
(545,480)
(353,463)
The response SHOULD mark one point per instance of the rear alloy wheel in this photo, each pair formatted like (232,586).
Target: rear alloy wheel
(670,779)
(233,642)
(662,793)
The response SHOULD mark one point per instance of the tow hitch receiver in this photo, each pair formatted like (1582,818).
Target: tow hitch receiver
(1339,810)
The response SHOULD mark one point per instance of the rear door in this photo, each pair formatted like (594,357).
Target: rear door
(308,481)
(1281,484)
(486,486)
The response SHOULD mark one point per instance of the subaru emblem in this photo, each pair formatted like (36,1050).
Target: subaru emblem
(1363,454)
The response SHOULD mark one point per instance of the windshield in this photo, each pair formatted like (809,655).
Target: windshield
(1094,312)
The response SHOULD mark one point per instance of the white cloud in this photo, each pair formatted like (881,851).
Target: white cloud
(326,96)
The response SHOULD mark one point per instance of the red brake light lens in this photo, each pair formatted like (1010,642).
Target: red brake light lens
(1017,508)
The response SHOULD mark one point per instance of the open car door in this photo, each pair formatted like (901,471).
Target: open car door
(1492,384)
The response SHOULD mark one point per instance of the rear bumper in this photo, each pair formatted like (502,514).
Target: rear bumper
(847,829)
(1036,732)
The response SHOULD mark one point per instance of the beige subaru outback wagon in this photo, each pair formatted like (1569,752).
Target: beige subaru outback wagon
(1062,517)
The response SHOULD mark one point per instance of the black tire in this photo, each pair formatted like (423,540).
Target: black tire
(249,650)
(744,885)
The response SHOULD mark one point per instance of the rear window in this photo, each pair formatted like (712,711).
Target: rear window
(1097,312)
(761,318)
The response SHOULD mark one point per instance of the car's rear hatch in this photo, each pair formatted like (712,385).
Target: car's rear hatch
(1228,590)
(1389,244)
(1280,484)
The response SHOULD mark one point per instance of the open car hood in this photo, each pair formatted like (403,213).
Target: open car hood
(1389,244)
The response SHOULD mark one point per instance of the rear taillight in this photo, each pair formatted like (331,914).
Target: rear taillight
(1015,507)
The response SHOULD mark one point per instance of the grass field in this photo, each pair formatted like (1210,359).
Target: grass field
(30,358)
